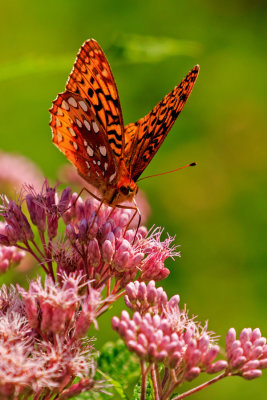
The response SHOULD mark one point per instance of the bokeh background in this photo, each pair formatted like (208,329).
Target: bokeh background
(218,209)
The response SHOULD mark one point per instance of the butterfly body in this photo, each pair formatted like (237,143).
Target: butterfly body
(87,126)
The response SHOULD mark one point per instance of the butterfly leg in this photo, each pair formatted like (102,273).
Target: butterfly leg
(84,189)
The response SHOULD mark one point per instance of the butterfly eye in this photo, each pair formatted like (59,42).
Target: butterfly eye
(125,190)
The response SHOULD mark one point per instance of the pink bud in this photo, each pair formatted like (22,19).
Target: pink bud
(123,326)
(70,232)
(141,294)
(230,337)
(194,358)
(217,367)
(256,334)
(211,355)
(203,343)
(125,316)
(115,323)
(107,251)
(130,335)
(260,342)
(253,364)
(52,223)
(94,253)
(256,352)
(192,374)
(64,200)
(152,350)
(138,348)
(247,348)
(131,291)
(83,229)
(11,234)
(238,362)
(252,374)
(174,301)
(244,335)
(142,340)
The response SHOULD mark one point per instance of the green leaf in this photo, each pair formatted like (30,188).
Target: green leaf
(118,363)
(116,385)
(137,390)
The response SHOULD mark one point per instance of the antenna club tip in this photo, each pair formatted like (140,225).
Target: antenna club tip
(193,164)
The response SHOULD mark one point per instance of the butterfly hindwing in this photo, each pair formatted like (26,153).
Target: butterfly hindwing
(92,79)
(80,136)
(144,138)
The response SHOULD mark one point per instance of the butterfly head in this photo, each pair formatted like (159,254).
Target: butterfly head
(125,190)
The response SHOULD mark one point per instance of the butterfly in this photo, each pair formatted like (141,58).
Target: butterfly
(87,126)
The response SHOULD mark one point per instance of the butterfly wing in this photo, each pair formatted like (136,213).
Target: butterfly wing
(80,136)
(92,79)
(144,138)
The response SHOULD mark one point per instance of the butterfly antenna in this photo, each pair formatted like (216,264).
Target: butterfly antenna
(168,172)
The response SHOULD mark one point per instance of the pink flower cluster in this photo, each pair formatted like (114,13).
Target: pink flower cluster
(165,334)
(247,356)
(99,243)
(40,350)
(159,332)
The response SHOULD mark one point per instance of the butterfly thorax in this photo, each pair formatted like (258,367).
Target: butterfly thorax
(122,188)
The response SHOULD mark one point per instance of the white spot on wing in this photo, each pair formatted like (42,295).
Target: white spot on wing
(59,112)
(58,123)
(90,151)
(65,105)
(106,166)
(75,145)
(59,137)
(72,102)
(83,105)
(95,127)
(87,164)
(87,125)
(98,163)
(94,162)
(71,131)
(78,122)
(103,150)
(112,177)
(85,143)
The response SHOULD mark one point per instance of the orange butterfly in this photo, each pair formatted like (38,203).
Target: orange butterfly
(87,126)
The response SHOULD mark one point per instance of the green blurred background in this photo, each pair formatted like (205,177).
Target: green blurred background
(218,209)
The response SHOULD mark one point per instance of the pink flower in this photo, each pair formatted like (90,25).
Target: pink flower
(37,357)
(162,333)
(247,355)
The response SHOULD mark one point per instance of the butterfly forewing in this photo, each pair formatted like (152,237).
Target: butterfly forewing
(80,136)
(144,138)
(92,79)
